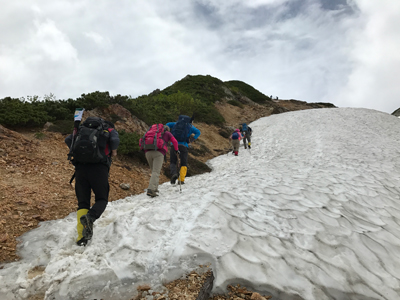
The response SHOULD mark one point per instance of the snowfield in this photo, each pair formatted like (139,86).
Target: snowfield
(312,212)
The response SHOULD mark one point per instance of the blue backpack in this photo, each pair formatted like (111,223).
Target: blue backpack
(244,127)
(235,135)
(182,128)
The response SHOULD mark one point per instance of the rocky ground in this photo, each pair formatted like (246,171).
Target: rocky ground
(35,175)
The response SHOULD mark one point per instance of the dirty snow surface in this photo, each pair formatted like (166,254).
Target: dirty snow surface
(312,211)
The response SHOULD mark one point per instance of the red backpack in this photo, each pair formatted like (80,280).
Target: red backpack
(153,138)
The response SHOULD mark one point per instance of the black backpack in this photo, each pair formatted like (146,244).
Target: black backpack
(182,128)
(91,141)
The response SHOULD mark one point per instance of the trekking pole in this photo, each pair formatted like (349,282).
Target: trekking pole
(179,170)
(230,148)
(77,120)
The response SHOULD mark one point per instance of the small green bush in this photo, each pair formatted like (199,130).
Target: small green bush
(196,167)
(235,103)
(129,142)
(39,135)
(201,151)
(224,133)
(115,118)
(62,126)
(209,115)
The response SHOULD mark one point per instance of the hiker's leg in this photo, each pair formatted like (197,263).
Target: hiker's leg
(82,187)
(184,155)
(157,159)
(79,226)
(101,188)
(83,192)
(184,159)
(172,161)
(149,159)
(235,144)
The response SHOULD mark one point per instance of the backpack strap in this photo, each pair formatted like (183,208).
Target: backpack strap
(72,178)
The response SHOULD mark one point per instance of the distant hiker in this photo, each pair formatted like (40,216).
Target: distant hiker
(91,149)
(246,131)
(185,133)
(235,138)
(155,145)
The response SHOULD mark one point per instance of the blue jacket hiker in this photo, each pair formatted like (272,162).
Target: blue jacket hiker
(185,133)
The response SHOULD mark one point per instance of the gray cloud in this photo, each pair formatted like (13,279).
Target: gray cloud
(338,51)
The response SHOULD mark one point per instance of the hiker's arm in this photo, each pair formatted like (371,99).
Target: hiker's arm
(174,142)
(114,141)
(68,140)
(170,125)
(196,132)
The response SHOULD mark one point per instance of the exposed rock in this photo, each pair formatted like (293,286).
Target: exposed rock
(125,186)
(126,121)
(396,112)
(47,125)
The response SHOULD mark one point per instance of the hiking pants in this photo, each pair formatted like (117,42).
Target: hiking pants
(174,160)
(90,177)
(155,160)
(235,145)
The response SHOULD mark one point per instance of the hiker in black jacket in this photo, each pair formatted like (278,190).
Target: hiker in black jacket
(92,176)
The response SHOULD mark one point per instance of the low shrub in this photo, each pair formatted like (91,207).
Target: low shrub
(129,142)
(235,103)
(62,126)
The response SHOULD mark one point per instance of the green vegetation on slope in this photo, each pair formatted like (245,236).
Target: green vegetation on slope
(193,95)
(239,87)
(207,89)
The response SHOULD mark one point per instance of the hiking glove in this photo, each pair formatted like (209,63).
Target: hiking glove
(178,152)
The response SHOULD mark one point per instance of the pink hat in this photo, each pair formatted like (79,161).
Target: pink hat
(237,130)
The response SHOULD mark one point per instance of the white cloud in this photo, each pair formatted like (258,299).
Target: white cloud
(99,40)
(51,43)
(373,82)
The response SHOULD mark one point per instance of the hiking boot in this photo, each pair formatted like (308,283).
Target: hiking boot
(151,193)
(249,147)
(87,223)
(82,242)
(174,178)
(181,182)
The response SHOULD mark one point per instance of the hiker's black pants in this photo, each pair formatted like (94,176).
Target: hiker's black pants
(174,159)
(90,177)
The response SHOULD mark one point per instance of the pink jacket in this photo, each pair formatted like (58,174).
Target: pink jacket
(168,137)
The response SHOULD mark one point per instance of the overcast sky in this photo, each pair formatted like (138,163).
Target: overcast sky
(341,51)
